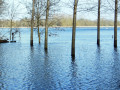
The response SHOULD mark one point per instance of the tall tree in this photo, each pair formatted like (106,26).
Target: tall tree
(32,23)
(98,24)
(38,19)
(46,25)
(39,12)
(12,13)
(74,28)
(115,24)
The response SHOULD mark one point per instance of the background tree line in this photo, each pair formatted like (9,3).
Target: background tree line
(65,21)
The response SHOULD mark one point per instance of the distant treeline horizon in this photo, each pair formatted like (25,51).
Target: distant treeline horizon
(56,21)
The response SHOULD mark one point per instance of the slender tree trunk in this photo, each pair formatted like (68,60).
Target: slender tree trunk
(10,29)
(115,24)
(98,24)
(38,21)
(46,26)
(38,31)
(39,38)
(38,26)
(32,23)
(74,29)
(38,16)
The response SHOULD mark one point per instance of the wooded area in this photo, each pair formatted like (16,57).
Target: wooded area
(43,14)
(64,21)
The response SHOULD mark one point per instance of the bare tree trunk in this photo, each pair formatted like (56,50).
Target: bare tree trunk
(32,23)
(74,29)
(38,17)
(98,24)
(115,24)
(46,25)
(38,26)
(38,33)
(39,38)
(10,28)
(38,21)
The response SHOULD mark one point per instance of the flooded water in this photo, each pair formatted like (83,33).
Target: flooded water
(31,68)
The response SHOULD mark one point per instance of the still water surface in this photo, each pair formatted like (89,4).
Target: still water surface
(31,68)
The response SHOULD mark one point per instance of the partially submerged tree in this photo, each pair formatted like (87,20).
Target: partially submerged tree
(38,19)
(12,13)
(32,23)
(50,8)
(115,23)
(41,8)
(46,25)
(74,28)
(98,24)
(39,13)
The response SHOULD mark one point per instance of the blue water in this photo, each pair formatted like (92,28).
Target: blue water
(31,68)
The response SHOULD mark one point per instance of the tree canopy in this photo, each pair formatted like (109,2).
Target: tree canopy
(1,6)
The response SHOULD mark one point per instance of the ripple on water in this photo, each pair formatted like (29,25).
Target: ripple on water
(31,68)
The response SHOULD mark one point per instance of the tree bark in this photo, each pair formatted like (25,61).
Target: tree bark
(32,23)
(10,29)
(46,25)
(39,38)
(115,24)
(74,29)
(98,24)
(38,21)
(38,25)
